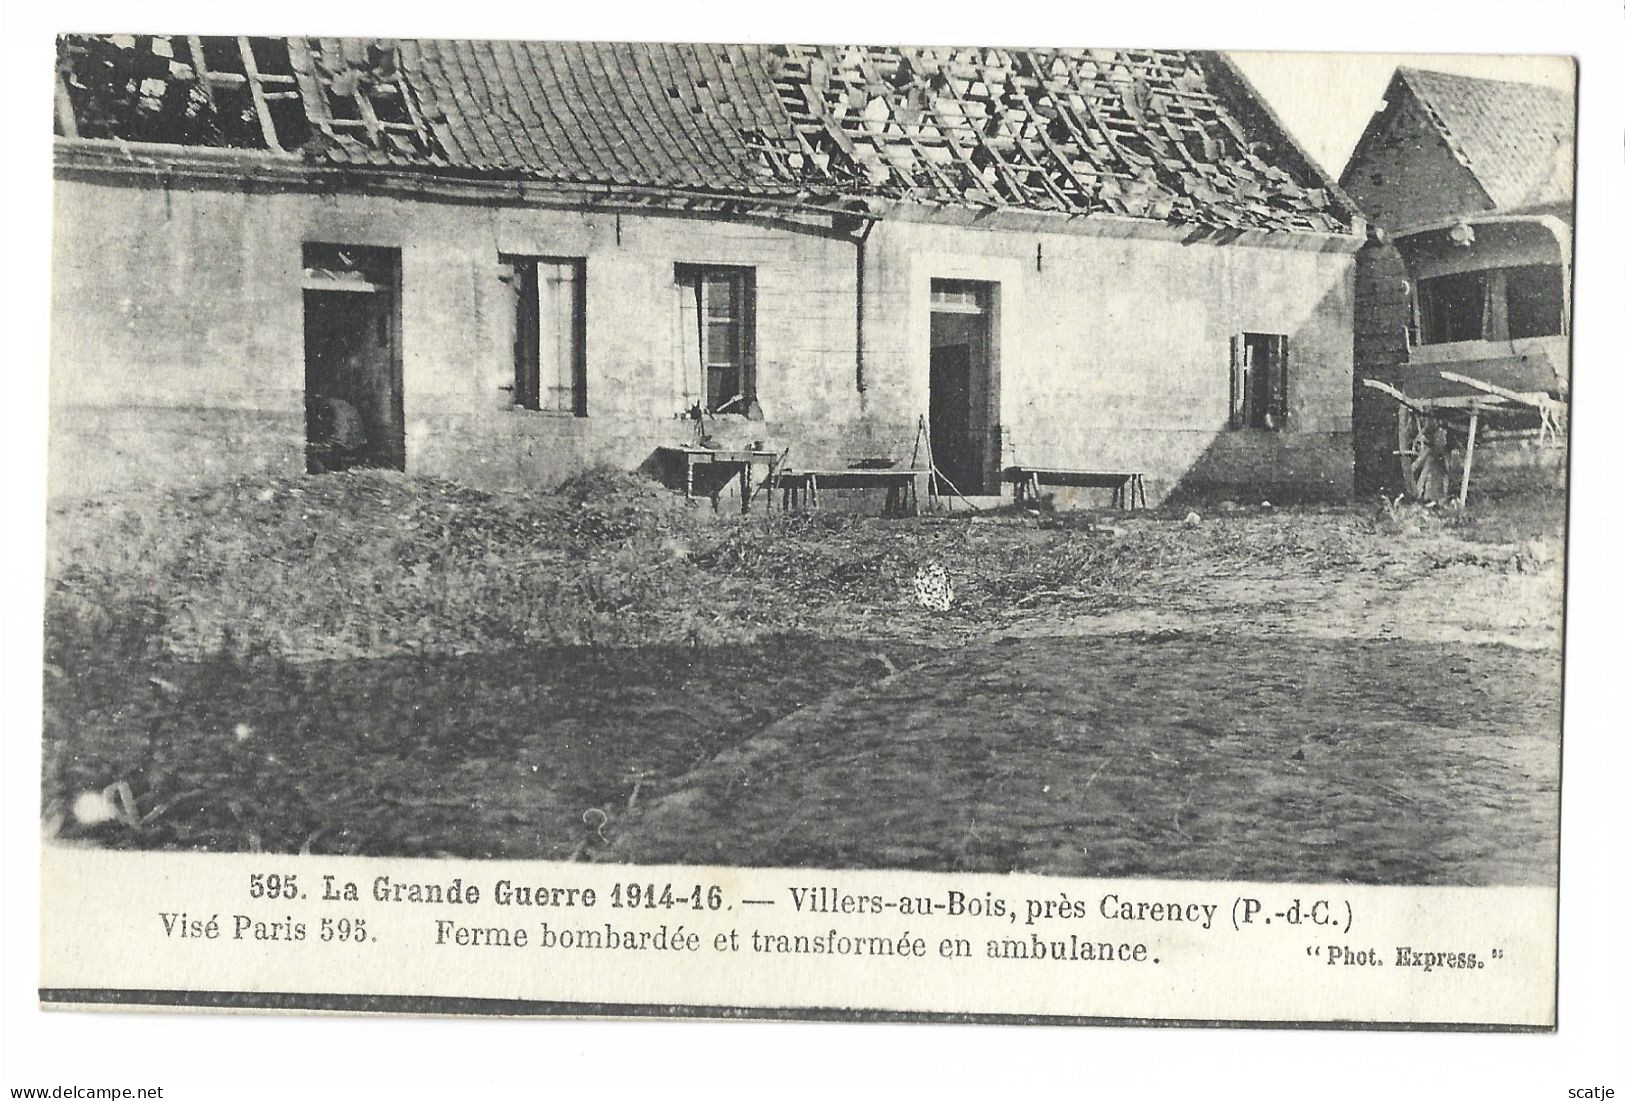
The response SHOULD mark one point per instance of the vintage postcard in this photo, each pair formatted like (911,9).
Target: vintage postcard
(812,531)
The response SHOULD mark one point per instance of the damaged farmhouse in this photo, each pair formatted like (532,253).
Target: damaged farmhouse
(437,429)
(1464,320)
(502,262)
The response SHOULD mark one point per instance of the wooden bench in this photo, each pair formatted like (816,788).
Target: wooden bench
(1127,486)
(801,487)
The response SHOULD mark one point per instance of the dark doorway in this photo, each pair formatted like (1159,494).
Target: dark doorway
(352,362)
(964,397)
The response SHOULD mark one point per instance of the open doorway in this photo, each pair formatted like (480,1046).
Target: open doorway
(352,358)
(964,413)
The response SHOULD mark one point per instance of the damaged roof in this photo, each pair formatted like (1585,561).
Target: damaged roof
(1171,136)
(1516,139)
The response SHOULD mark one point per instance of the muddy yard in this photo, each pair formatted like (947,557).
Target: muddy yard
(1367,693)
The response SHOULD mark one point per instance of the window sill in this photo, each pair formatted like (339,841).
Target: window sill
(550,414)
(1446,350)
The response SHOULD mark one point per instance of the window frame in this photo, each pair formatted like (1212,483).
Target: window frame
(695,280)
(1431,306)
(1266,409)
(1524,277)
(1496,314)
(524,273)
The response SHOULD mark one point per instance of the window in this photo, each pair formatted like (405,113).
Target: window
(1454,307)
(1493,304)
(718,334)
(1534,300)
(549,345)
(1258,380)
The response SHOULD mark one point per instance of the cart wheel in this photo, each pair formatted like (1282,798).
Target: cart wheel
(1410,444)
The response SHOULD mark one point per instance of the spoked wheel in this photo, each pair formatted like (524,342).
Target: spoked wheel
(1427,457)
(1410,438)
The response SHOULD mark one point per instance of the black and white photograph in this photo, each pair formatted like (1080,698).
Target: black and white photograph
(958,459)
(723,541)
(627,549)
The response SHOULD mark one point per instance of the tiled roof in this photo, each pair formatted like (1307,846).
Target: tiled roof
(646,114)
(1517,139)
(1166,135)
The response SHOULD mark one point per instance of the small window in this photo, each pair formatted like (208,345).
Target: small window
(1454,307)
(1534,301)
(549,345)
(1258,380)
(718,336)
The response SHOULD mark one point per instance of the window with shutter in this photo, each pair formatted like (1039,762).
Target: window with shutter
(1258,380)
(1238,382)
(718,312)
(549,340)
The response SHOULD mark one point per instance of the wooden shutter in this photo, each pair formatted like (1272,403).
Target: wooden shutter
(560,386)
(1238,381)
(526,337)
(691,334)
(1278,379)
(747,337)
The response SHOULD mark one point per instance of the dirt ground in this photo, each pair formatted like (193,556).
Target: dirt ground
(1207,756)
(1367,694)
(1391,718)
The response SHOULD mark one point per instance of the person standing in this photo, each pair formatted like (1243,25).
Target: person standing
(338,437)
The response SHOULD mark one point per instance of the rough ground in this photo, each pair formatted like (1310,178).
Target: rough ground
(1168,755)
(378,665)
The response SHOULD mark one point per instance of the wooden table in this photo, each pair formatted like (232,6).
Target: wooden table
(738,463)
(1127,486)
(902,486)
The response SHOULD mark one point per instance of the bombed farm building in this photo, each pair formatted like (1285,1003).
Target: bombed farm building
(500,262)
(1466,315)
